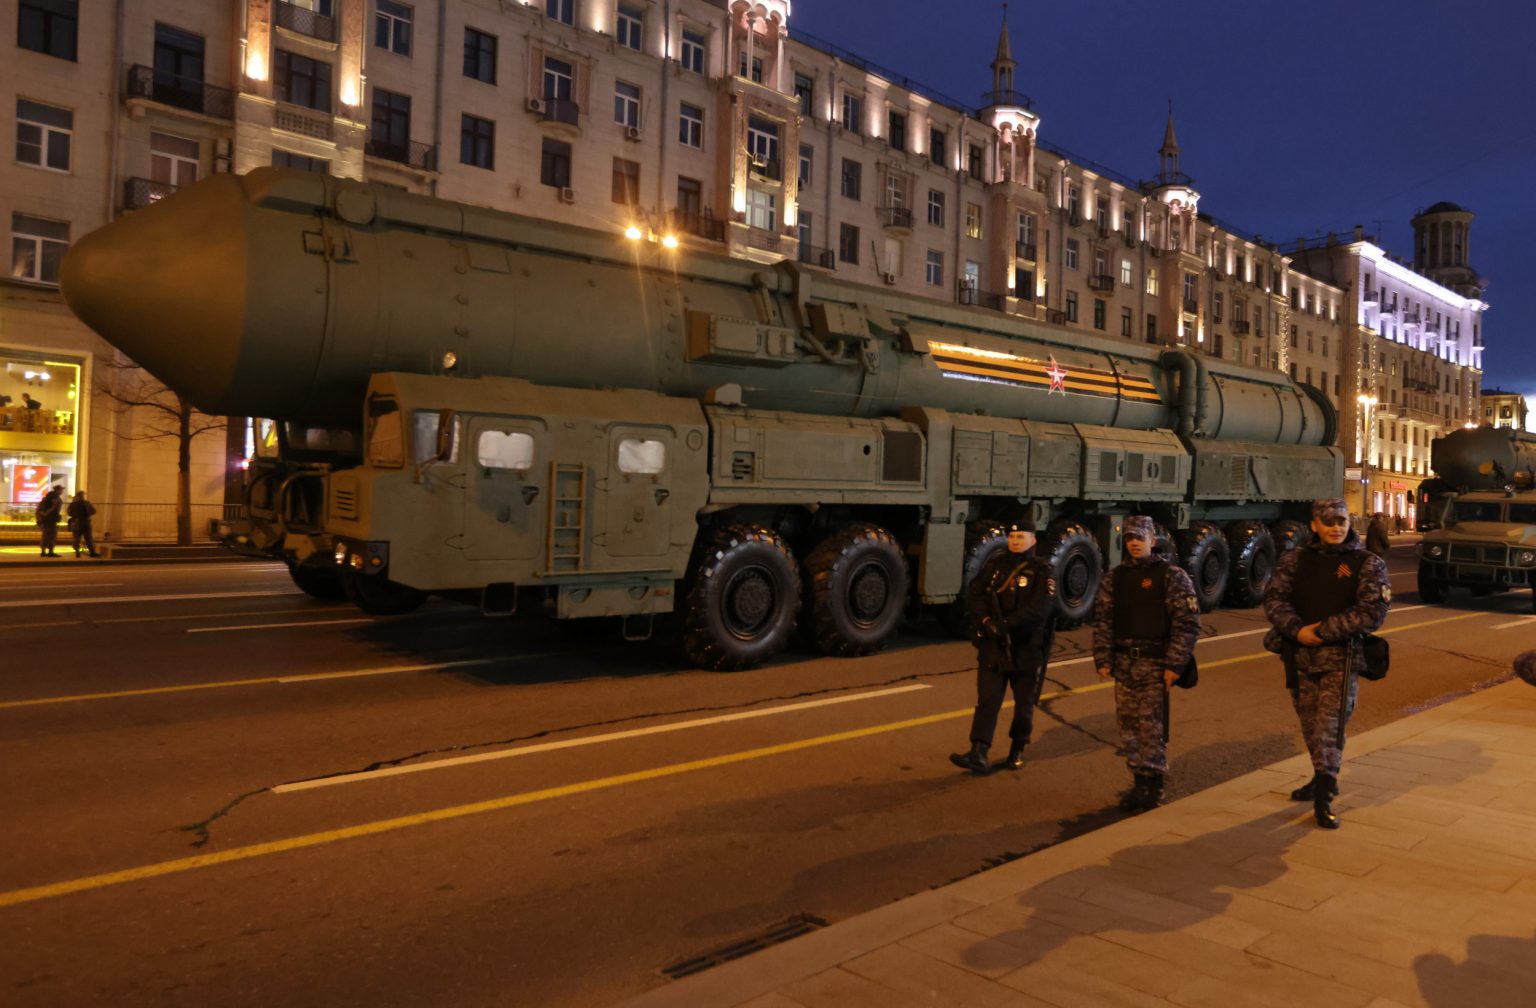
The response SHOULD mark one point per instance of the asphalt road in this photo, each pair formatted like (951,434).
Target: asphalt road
(216,790)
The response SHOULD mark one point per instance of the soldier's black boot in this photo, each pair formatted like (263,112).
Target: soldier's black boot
(1132,800)
(1322,801)
(975,761)
(1154,793)
(1015,760)
(1305,792)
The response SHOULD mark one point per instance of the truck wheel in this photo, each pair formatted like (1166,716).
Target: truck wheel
(1288,534)
(740,600)
(1253,563)
(982,541)
(1164,546)
(376,595)
(1431,588)
(317,582)
(1073,555)
(856,581)
(1207,560)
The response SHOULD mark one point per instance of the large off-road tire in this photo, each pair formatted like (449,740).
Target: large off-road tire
(1164,546)
(982,541)
(1073,555)
(1288,535)
(1431,589)
(376,595)
(317,582)
(1207,561)
(856,588)
(739,601)
(1253,563)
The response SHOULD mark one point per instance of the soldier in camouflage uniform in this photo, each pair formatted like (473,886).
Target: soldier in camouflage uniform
(1323,597)
(1011,607)
(1145,624)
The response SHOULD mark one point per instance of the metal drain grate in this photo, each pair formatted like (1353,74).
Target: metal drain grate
(777,934)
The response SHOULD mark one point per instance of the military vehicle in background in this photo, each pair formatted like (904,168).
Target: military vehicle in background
(501,410)
(1485,533)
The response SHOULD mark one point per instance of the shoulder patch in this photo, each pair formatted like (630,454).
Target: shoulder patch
(1386,592)
(1194,604)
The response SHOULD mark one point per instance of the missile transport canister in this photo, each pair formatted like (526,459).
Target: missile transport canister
(616,429)
(1483,458)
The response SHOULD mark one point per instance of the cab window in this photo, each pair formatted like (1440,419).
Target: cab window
(512,450)
(338,440)
(386,439)
(642,457)
(264,438)
(1522,514)
(1478,511)
(424,425)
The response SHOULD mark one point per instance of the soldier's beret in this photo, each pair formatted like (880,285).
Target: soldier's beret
(1330,507)
(1139,526)
(1525,667)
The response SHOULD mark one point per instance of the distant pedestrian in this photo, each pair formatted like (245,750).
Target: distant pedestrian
(29,402)
(1323,596)
(49,510)
(1011,608)
(1376,539)
(1146,620)
(80,512)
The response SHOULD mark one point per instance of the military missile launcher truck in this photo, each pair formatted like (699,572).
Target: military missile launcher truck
(498,409)
(1472,458)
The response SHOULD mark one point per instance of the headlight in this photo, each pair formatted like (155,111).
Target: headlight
(341,553)
(1527,557)
(1436,551)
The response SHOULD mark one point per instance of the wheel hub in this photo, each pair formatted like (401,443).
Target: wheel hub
(868,592)
(1075,580)
(750,600)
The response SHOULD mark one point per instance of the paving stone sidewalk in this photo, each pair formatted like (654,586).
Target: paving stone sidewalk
(1426,896)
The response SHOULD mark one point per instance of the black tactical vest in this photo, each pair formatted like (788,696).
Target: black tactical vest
(1326,583)
(1141,607)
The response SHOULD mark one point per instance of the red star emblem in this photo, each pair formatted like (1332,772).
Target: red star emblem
(1058,376)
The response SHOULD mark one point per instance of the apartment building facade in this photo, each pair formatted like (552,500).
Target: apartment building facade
(1504,409)
(706,122)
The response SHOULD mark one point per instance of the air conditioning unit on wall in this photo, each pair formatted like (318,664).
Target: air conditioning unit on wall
(889,278)
(536,106)
(567,194)
(632,133)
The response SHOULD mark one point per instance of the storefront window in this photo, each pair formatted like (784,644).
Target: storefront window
(39,432)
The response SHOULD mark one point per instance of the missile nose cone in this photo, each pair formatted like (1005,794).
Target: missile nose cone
(167,286)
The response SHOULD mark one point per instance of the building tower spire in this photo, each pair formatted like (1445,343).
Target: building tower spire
(1003,63)
(1169,151)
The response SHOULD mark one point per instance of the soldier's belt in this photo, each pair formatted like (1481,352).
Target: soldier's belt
(1142,650)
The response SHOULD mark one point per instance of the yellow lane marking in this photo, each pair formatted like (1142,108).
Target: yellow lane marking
(101,881)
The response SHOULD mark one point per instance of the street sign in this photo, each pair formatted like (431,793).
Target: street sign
(29,483)
(1353,474)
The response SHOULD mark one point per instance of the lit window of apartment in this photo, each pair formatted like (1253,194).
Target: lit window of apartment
(805,94)
(560,10)
(807,159)
(479,55)
(1127,276)
(626,104)
(1152,280)
(392,26)
(934,268)
(694,44)
(555,164)
(629,28)
(44,134)
(48,27)
(626,182)
(896,127)
(937,139)
(853,112)
(477,142)
(935,208)
(1072,253)
(1071,306)
(853,179)
(173,160)
(848,244)
(37,247)
(762,210)
(972,220)
(301,162)
(299,80)
(690,126)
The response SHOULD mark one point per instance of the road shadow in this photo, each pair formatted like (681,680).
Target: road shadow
(1499,971)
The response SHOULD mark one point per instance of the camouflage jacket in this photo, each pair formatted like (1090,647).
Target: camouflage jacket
(1372,598)
(1183,616)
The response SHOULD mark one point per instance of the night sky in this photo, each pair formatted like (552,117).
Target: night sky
(1294,119)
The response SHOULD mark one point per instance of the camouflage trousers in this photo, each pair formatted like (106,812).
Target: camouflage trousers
(1141,701)
(1321,704)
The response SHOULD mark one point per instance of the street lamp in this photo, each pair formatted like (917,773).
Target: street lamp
(1367,444)
(644,229)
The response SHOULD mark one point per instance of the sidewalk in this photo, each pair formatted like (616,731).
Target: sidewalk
(1232,896)
(13,554)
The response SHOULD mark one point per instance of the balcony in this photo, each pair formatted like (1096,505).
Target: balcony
(813,255)
(1240,327)
(1371,297)
(412,154)
(1101,282)
(896,218)
(1017,99)
(304,21)
(1411,319)
(141,192)
(969,295)
(702,225)
(1025,250)
(1431,328)
(180,92)
(762,238)
(770,171)
(1055,316)
(1129,239)
(303,121)
(561,110)
(1191,306)
(1388,310)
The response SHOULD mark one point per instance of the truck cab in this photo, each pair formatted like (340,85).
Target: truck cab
(1487,544)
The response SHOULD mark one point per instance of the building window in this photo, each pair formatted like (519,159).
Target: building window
(805,93)
(762,210)
(1152,280)
(173,160)
(43,135)
(975,159)
(807,156)
(935,208)
(1151,328)
(937,138)
(48,27)
(555,164)
(559,79)
(1125,322)
(626,105)
(693,51)
(1191,291)
(763,144)
(1071,306)
(972,220)
(477,142)
(853,178)
(1100,262)
(753,73)
(299,80)
(630,27)
(1074,203)
(1126,276)
(479,55)
(897,128)
(853,111)
(178,67)
(302,162)
(1072,250)
(560,10)
(1098,313)
(848,244)
(1217,306)
(392,26)
(1026,229)
(934,268)
(690,126)
(690,200)
(626,182)
(389,134)
(37,246)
